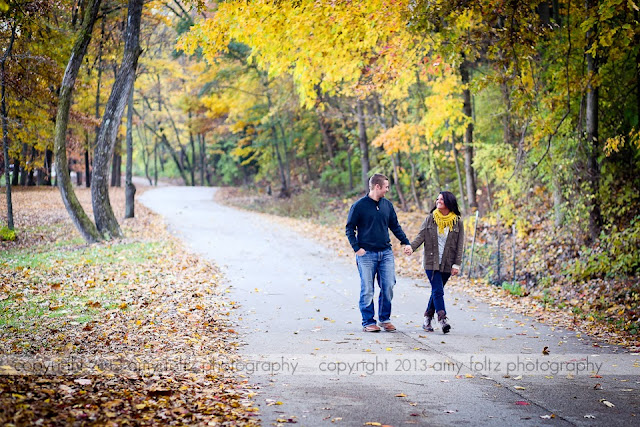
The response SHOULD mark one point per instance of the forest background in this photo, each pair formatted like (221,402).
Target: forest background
(529,111)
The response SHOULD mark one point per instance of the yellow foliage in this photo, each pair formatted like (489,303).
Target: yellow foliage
(404,138)
(444,115)
(346,46)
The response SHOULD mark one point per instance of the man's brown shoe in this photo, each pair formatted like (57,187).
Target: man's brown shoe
(388,327)
(371,328)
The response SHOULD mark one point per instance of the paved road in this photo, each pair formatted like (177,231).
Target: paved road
(306,353)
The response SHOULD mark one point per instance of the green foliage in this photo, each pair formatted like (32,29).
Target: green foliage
(7,235)
(616,255)
(513,288)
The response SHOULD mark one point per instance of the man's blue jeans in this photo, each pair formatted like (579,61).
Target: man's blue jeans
(436,301)
(370,265)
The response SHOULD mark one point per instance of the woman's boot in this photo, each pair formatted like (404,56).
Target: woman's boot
(442,319)
(428,318)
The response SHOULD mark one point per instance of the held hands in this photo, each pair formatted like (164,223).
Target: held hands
(408,250)
(455,271)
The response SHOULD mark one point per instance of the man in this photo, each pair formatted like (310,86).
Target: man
(371,218)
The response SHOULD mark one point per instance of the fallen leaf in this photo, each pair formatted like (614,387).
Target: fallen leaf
(545,351)
(607,403)
(522,403)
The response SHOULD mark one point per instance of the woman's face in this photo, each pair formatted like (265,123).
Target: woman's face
(440,203)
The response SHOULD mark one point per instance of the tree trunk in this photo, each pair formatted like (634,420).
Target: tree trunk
(203,158)
(364,146)
(193,153)
(87,166)
(327,136)
(23,168)
(468,138)
(463,205)
(155,164)
(395,160)
(15,178)
(30,176)
(115,164)
(593,168)
(102,211)
(97,107)
(130,189)
(284,190)
(414,190)
(48,160)
(350,168)
(78,216)
(5,125)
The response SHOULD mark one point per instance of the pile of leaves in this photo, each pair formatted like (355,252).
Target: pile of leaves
(606,308)
(135,331)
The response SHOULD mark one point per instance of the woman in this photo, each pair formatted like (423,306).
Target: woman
(442,233)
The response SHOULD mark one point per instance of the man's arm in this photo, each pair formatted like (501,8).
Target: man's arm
(350,229)
(395,228)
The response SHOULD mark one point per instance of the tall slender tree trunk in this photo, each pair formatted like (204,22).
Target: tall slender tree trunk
(97,106)
(30,176)
(78,216)
(593,168)
(414,190)
(23,168)
(155,163)
(203,158)
(130,189)
(395,160)
(5,125)
(102,210)
(87,162)
(15,177)
(46,169)
(468,137)
(193,153)
(458,174)
(284,190)
(364,145)
(327,135)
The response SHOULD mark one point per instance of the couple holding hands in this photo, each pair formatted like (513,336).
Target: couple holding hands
(442,234)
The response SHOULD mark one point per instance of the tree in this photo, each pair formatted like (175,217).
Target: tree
(82,222)
(5,131)
(106,221)
(130,188)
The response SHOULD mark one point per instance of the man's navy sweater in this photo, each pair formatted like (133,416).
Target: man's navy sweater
(373,220)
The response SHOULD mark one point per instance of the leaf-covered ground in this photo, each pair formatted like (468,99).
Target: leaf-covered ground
(135,331)
(606,309)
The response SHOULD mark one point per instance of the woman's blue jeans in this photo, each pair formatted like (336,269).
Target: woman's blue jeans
(436,301)
(381,265)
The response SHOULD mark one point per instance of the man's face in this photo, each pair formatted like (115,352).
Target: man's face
(382,190)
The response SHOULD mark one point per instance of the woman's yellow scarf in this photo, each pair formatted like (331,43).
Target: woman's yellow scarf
(443,221)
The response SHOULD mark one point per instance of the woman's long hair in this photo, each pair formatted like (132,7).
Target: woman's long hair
(450,202)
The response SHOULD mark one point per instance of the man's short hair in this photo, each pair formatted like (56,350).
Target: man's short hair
(377,179)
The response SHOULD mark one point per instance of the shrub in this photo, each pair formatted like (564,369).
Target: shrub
(6,234)
(616,255)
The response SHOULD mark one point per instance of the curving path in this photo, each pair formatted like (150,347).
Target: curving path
(305,351)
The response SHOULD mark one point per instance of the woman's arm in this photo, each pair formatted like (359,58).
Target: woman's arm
(419,239)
